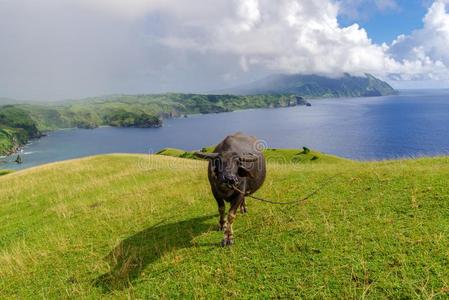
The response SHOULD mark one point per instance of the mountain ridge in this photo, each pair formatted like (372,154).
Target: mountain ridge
(316,86)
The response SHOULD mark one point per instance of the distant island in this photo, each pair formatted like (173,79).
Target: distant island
(23,121)
(315,86)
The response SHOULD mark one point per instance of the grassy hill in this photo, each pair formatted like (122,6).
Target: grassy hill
(144,227)
(5,172)
(272,155)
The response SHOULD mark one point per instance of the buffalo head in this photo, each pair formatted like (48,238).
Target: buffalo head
(229,167)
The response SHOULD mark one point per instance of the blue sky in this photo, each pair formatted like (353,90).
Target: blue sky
(385,25)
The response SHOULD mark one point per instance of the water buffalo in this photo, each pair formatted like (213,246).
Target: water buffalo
(237,165)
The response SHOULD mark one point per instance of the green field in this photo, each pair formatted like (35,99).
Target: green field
(139,226)
(5,172)
(272,155)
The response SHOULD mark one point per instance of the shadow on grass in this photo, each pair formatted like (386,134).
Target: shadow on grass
(131,256)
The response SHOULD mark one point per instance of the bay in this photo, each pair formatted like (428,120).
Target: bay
(411,124)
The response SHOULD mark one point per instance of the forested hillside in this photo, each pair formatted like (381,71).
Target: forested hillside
(315,86)
(20,122)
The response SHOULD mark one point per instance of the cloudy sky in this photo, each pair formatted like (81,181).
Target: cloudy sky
(58,49)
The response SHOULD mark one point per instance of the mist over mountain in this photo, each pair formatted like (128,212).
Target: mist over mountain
(4,101)
(314,86)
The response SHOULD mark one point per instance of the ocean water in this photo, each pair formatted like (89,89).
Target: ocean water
(411,124)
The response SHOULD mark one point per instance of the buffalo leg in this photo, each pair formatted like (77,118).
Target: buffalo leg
(229,233)
(243,208)
(222,211)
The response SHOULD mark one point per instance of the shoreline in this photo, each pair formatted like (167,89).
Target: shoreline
(164,116)
(6,158)
(156,119)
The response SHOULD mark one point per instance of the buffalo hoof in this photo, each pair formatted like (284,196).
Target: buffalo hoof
(243,209)
(225,242)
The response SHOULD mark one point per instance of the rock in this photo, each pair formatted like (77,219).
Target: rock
(302,102)
(18,159)
(171,114)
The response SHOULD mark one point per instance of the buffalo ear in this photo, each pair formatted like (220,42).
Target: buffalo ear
(248,158)
(206,155)
(244,172)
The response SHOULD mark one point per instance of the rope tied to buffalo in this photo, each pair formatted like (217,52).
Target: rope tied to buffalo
(323,184)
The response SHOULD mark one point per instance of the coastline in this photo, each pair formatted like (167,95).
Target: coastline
(300,101)
(175,113)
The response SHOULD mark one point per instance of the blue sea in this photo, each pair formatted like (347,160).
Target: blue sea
(411,124)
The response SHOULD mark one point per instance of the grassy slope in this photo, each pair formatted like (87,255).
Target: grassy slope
(272,155)
(6,172)
(144,226)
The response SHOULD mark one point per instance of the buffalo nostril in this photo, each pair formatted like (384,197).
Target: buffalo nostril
(230,180)
(233,181)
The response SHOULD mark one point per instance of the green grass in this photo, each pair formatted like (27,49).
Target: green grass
(272,155)
(5,172)
(144,227)
(175,152)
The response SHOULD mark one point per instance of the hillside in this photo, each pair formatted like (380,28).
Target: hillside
(272,155)
(150,110)
(315,86)
(137,226)
(16,128)
(19,123)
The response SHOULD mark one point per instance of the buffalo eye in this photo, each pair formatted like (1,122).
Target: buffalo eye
(216,166)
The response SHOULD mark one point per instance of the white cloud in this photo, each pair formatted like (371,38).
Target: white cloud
(133,9)
(424,53)
(291,36)
(305,37)
(72,48)
(386,5)
(248,13)
(286,36)
(128,8)
(366,9)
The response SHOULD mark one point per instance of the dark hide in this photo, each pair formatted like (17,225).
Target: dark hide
(235,163)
